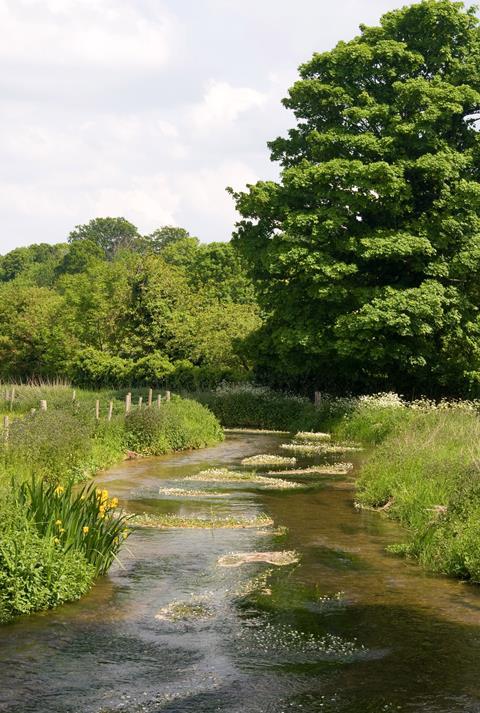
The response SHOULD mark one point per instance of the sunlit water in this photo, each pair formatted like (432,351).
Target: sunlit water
(348,629)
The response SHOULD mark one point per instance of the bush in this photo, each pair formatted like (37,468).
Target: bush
(93,367)
(177,425)
(35,572)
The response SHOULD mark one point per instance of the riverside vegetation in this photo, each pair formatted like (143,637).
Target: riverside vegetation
(57,537)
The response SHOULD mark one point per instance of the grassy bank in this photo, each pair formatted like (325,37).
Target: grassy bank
(57,538)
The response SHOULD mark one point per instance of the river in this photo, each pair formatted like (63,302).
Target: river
(349,628)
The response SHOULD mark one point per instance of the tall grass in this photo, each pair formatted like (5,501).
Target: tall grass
(427,472)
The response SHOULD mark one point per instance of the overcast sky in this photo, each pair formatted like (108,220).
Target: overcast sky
(147,109)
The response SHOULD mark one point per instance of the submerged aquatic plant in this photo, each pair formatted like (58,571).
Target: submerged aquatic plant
(190,493)
(197,608)
(232,476)
(279,559)
(311,448)
(326,469)
(265,459)
(201,523)
(314,436)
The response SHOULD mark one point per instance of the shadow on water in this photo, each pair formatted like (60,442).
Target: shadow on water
(348,629)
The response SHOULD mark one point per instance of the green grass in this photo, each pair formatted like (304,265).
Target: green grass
(427,471)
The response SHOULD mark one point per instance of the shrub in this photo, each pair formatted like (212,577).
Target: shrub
(35,572)
(177,425)
(93,367)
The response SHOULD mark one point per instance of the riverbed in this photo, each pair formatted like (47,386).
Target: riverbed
(347,628)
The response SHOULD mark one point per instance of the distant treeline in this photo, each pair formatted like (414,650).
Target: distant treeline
(112,307)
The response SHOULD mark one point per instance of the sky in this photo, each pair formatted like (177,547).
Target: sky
(148,109)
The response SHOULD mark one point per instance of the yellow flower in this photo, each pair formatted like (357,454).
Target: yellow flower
(56,540)
(101,515)
(61,530)
(59,490)
(85,529)
(58,522)
(113,502)
(104,496)
(102,508)
(98,492)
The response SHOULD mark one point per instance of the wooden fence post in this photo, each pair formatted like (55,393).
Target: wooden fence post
(140,400)
(74,396)
(12,398)
(159,400)
(97,409)
(6,429)
(128,402)
(167,396)
(110,410)
(150,396)
(318,398)
(43,405)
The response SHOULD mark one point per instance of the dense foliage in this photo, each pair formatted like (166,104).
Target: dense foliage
(367,252)
(113,307)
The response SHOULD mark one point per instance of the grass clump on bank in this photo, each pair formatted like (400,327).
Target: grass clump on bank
(427,473)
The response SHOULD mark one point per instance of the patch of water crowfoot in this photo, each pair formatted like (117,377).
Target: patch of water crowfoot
(265,459)
(190,493)
(288,643)
(201,523)
(279,559)
(327,469)
(218,475)
(196,609)
(311,448)
(312,436)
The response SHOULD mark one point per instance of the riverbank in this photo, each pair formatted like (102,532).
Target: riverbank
(421,467)
(55,541)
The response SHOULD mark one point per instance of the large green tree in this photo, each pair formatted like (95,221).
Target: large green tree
(366,253)
(111,235)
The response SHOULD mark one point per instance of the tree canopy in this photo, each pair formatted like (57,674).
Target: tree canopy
(366,252)
(113,306)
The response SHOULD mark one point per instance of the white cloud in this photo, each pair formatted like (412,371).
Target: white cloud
(148,202)
(223,104)
(103,33)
